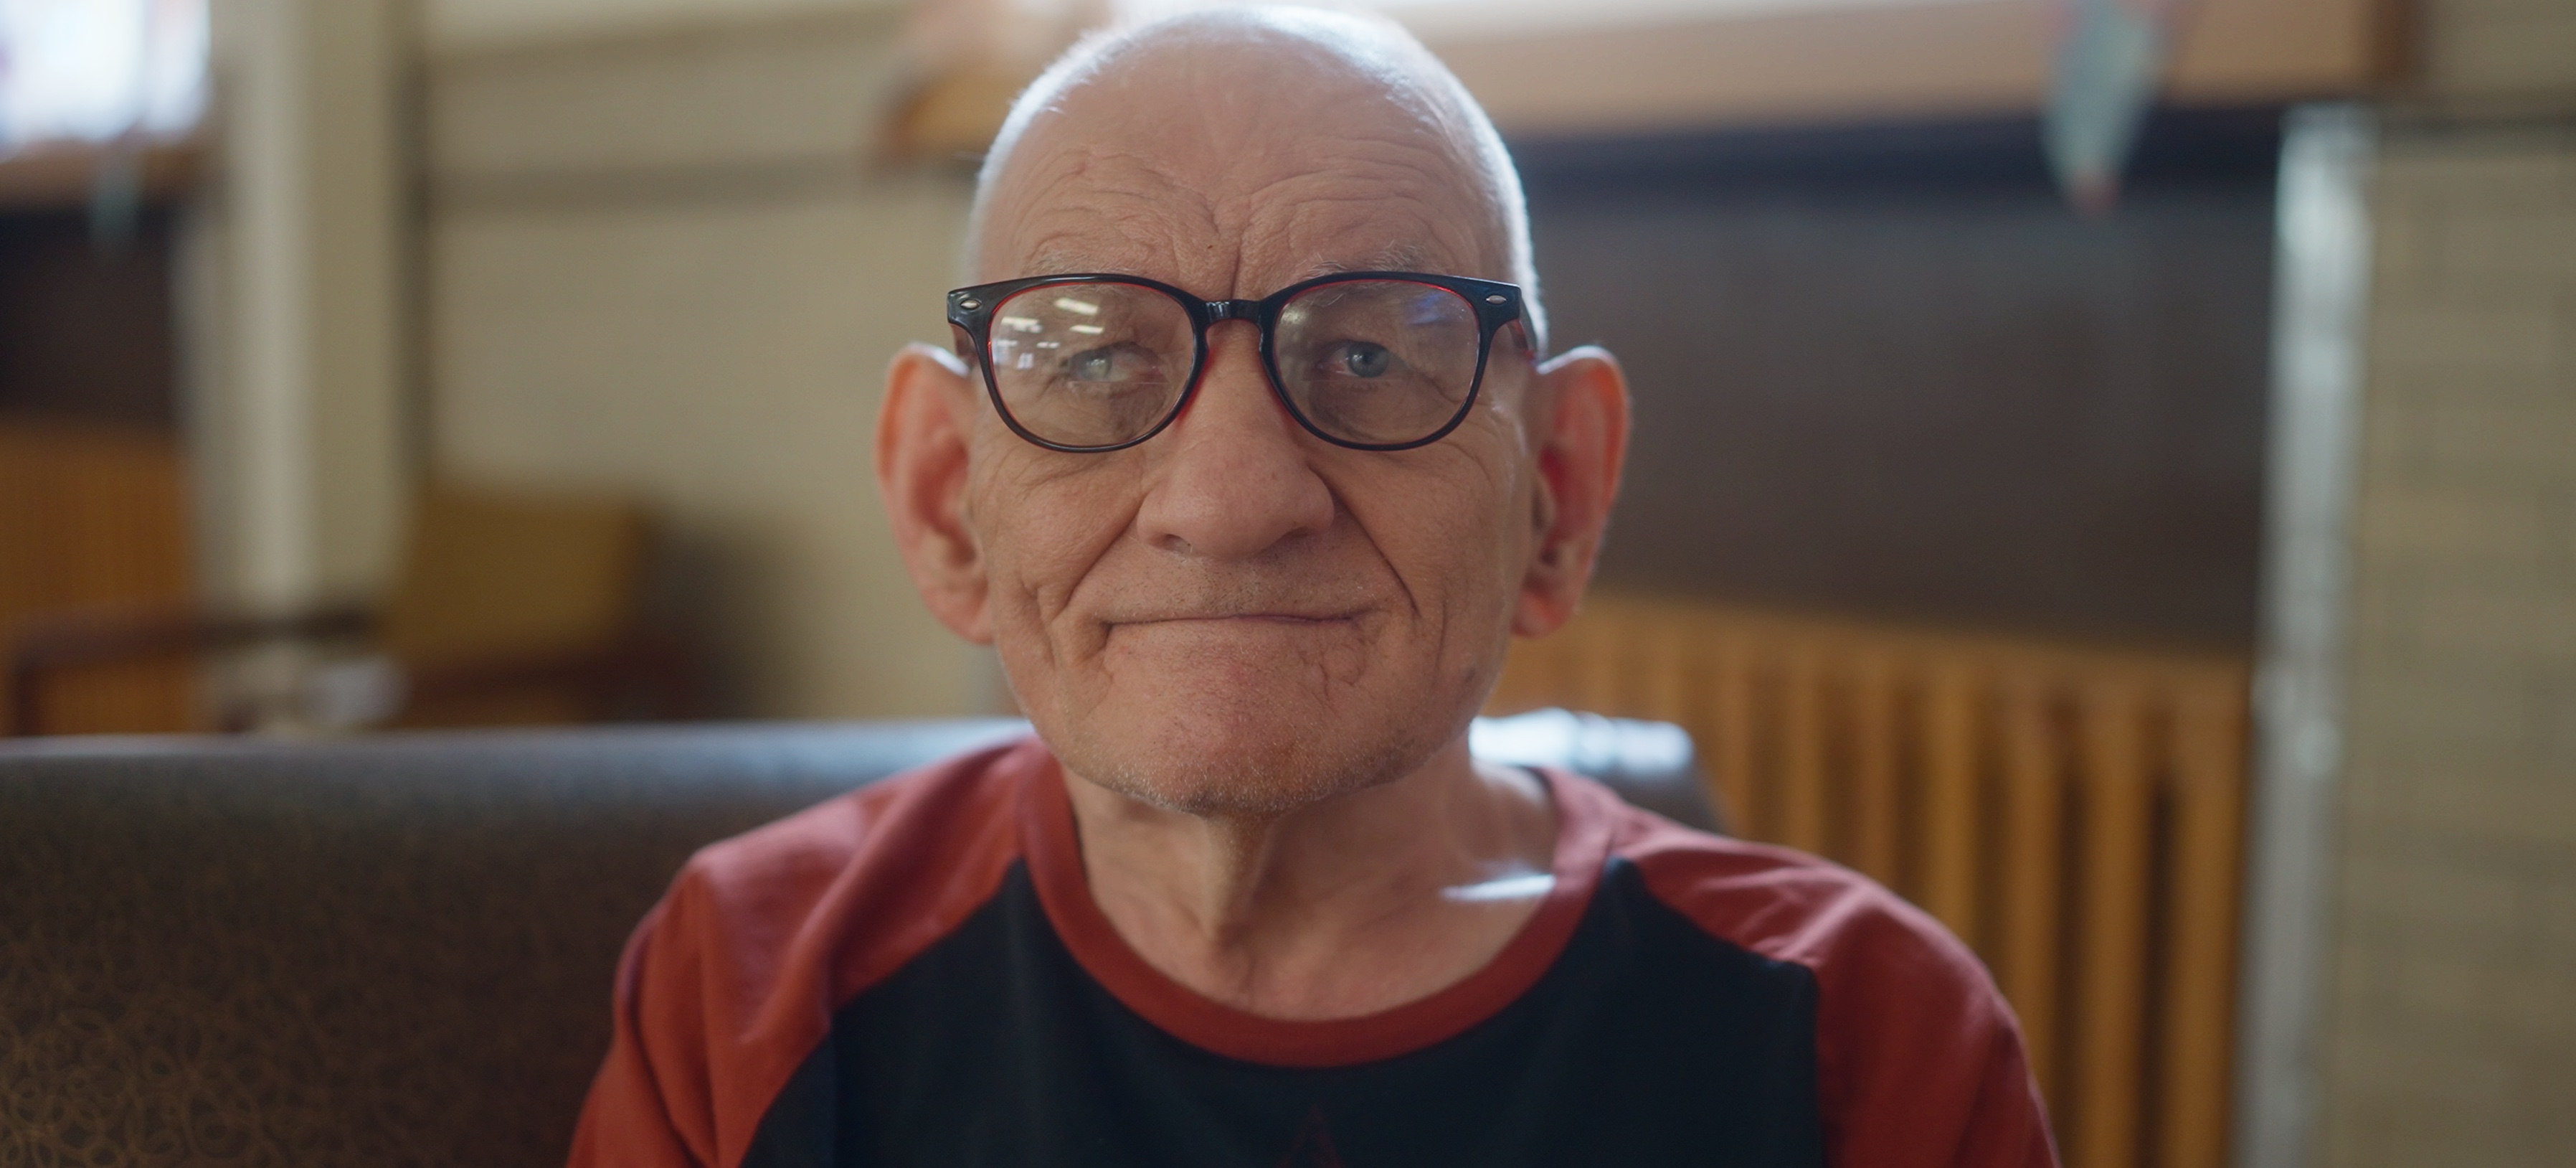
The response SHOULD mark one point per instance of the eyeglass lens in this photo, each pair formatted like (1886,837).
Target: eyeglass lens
(1371,362)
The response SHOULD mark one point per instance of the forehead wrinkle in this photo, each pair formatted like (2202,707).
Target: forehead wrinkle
(1293,239)
(1132,240)
(1414,189)
(1396,207)
(1419,239)
(1348,141)
(1122,196)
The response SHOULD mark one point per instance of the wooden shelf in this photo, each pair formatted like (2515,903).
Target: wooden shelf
(58,176)
(1941,58)
(1857,64)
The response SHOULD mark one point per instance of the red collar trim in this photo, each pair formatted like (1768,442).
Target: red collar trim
(1055,868)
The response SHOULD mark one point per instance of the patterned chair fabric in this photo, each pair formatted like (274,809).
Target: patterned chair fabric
(391,951)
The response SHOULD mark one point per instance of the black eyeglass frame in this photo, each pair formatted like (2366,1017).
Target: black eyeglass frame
(970,310)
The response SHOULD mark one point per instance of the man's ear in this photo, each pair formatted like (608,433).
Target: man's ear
(922,438)
(1582,444)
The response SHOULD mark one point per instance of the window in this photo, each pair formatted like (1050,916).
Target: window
(100,70)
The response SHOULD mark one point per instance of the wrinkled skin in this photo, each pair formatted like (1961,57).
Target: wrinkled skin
(1258,651)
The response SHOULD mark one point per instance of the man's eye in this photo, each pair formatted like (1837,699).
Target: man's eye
(1093,365)
(1109,363)
(1359,359)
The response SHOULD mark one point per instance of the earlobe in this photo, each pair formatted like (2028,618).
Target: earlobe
(923,432)
(1582,446)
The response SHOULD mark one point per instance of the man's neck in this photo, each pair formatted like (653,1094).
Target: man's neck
(1347,907)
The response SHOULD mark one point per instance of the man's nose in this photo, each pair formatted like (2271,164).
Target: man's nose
(1232,477)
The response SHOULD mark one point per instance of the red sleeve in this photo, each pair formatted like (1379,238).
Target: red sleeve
(1919,1061)
(730,983)
(629,1119)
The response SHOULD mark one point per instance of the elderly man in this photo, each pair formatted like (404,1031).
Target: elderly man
(1249,461)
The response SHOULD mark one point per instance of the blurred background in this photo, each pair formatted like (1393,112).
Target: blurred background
(2107,469)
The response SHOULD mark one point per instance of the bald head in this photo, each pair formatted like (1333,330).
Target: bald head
(1241,150)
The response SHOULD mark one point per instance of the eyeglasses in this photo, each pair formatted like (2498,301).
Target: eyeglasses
(1367,360)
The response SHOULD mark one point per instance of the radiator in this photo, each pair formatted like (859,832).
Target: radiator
(2074,813)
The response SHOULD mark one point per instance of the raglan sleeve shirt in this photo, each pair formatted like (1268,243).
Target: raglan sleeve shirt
(733,983)
(1919,1062)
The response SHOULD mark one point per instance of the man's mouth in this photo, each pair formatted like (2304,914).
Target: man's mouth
(1288,619)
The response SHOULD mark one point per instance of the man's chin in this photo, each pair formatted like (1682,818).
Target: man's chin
(1223,768)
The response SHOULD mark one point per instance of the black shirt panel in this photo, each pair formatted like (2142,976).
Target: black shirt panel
(1646,1043)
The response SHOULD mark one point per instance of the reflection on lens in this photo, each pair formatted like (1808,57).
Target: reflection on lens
(1378,362)
(1090,364)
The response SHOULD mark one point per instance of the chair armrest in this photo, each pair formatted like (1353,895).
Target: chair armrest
(55,642)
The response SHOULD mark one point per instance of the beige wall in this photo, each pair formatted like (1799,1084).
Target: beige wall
(2451,1030)
(658,266)
(2496,48)
(2452,1037)
(460,24)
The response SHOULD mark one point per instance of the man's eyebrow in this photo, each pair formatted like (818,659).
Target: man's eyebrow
(1050,261)
(1402,257)
(1062,253)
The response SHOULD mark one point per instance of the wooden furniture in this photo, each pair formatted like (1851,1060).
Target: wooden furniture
(2074,813)
(1847,63)
(93,520)
(518,609)
(1647,66)
(65,174)
(509,610)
